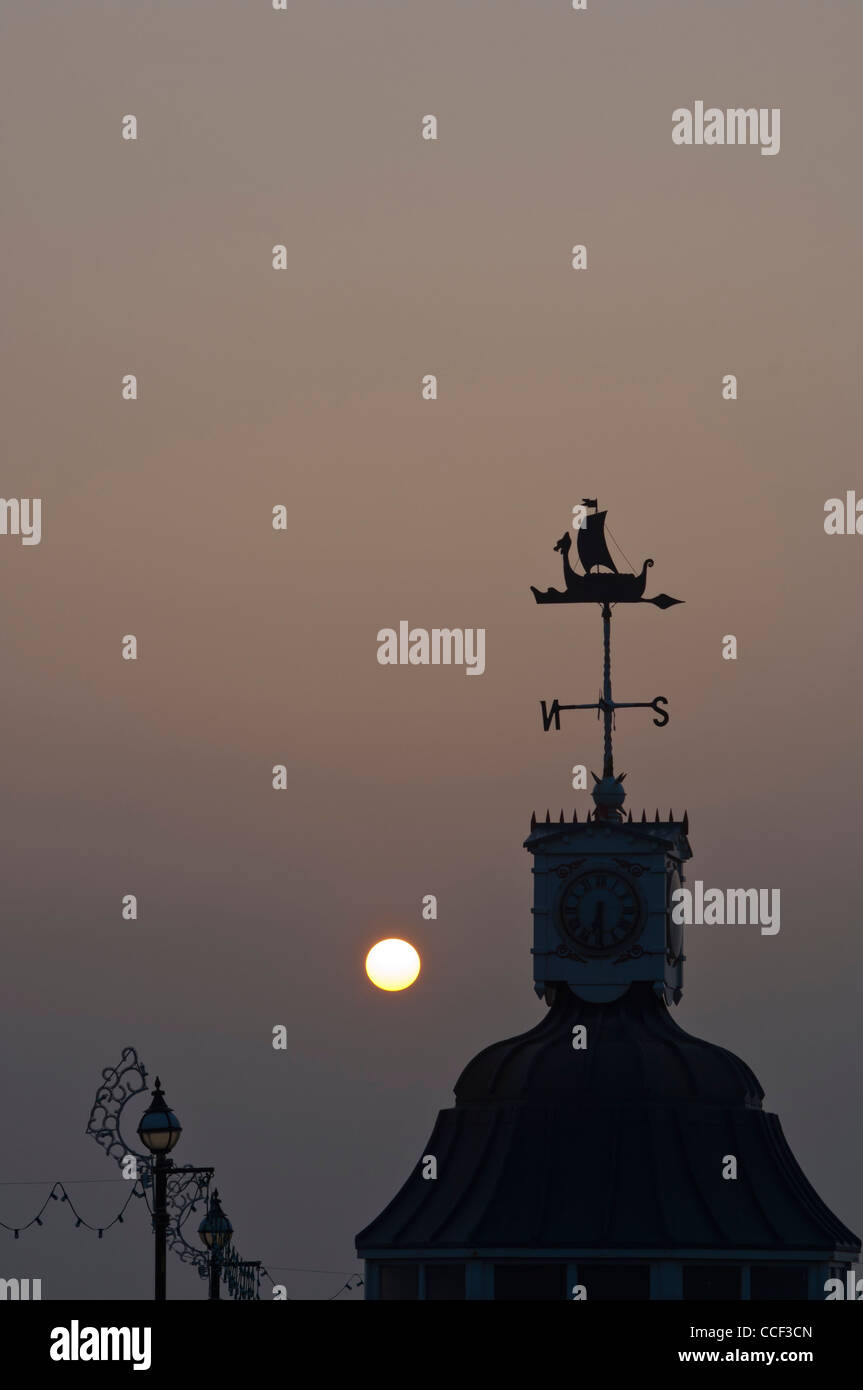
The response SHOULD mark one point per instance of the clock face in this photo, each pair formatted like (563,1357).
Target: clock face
(600,912)
(674,930)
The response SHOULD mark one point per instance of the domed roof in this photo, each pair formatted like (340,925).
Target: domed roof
(620,1146)
(635,1052)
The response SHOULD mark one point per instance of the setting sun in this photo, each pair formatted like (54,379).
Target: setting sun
(392,964)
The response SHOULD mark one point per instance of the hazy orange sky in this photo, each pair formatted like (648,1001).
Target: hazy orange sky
(257,647)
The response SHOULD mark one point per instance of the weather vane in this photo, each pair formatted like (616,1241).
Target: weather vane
(607,587)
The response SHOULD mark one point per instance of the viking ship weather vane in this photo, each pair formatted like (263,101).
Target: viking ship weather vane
(601,583)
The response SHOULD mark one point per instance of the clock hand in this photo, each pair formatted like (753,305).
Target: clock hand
(596,928)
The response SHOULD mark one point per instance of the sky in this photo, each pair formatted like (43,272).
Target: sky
(257,647)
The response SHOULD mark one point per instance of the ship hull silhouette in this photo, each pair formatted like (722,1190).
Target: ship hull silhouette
(598,588)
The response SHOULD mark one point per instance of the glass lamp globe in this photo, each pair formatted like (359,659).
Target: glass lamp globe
(159,1129)
(215,1230)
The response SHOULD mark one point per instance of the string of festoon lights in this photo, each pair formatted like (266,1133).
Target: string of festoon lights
(57,1192)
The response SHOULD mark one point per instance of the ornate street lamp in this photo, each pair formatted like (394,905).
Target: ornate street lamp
(177,1188)
(215,1231)
(159,1131)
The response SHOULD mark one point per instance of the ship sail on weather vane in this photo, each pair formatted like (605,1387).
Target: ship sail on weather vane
(602,583)
(592,549)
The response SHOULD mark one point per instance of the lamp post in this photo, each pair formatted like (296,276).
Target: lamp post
(215,1231)
(176,1188)
(159,1131)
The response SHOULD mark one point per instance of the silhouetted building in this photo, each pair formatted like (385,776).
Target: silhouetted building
(606,1154)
